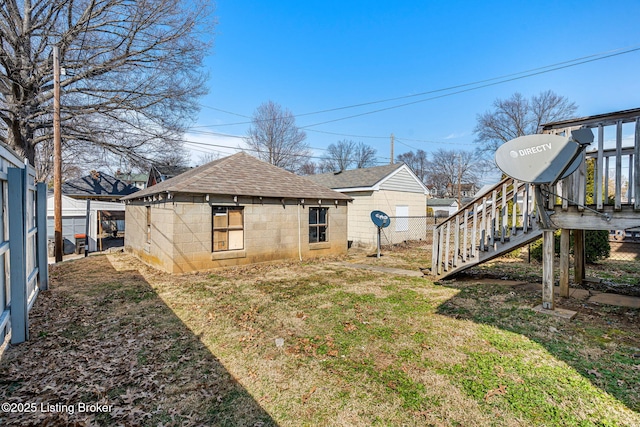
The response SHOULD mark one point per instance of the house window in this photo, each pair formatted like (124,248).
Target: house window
(228,228)
(148,224)
(318,224)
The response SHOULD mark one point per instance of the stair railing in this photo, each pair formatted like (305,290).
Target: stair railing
(481,225)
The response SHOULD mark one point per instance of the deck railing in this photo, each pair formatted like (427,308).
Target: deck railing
(479,229)
(607,180)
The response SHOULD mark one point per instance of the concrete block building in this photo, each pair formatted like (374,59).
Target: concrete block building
(232,211)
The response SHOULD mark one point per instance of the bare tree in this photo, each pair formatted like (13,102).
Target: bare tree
(133,74)
(450,169)
(339,156)
(208,158)
(364,156)
(418,162)
(275,138)
(308,168)
(347,154)
(518,116)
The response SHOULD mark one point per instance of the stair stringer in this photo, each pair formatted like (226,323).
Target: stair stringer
(501,249)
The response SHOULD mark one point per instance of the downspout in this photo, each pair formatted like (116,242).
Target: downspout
(299,233)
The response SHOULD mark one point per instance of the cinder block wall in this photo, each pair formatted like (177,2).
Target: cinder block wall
(182,241)
(160,251)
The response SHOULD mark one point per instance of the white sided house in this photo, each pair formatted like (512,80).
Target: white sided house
(393,189)
(235,210)
(442,208)
(75,222)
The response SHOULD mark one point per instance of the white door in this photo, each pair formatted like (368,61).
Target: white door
(402,222)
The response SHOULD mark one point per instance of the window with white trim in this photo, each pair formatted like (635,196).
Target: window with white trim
(318,224)
(228,228)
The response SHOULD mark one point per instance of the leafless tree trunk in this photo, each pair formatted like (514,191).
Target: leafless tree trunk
(133,74)
(274,137)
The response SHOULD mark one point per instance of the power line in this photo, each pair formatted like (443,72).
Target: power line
(482,84)
(472,88)
(237,149)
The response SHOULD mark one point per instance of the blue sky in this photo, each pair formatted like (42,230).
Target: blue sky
(310,56)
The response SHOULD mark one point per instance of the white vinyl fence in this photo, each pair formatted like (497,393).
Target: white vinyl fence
(23,245)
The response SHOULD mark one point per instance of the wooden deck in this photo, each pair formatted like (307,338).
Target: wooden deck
(602,194)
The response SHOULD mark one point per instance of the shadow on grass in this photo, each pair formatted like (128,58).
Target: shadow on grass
(602,343)
(103,337)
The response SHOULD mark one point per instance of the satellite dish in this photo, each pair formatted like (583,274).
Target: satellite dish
(542,158)
(380,219)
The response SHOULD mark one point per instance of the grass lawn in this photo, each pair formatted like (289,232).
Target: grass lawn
(315,344)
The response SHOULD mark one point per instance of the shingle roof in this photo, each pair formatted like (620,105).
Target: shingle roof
(97,184)
(355,178)
(241,175)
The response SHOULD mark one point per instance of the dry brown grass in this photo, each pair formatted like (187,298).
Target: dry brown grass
(314,344)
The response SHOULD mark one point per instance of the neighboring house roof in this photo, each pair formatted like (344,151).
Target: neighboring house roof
(98,185)
(241,175)
(441,202)
(362,178)
(159,173)
(132,177)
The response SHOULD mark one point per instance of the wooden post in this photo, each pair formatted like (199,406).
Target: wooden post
(474,229)
(564,262)
(465,253)
(434,252)
(636,167)
(17,257)
(579,256)
(57,160)
(87,228)
(597,184)
(547,270)
(618,173)
(447,246)
(100,229)
(505,214)
(514,209)
(392,155)
(440,250)
(456,243)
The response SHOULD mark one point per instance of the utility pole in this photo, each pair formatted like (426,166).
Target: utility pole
(391,150)
(459,181)
(57,159)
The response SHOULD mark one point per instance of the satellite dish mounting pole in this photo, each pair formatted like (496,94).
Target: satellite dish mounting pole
(380,220)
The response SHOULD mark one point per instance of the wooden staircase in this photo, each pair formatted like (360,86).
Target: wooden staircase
(495,223)
(602,194)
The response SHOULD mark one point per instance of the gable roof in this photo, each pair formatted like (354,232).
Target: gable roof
(159,173)
(241,175)
(97,184)
(441,202)
(356,178)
